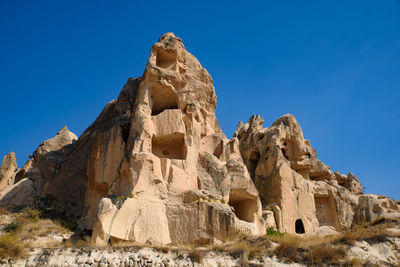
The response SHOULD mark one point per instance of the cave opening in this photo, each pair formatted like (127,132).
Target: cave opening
(253,163)
(243,205)
(166,59)
(299,227)
(162,98)
(169,146)
(125,132)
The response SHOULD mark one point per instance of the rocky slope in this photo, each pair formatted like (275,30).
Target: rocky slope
(155,168)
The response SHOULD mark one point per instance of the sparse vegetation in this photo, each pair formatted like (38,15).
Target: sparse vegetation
(29,228)
(330,249)
(272,232)
(11,246)
(13,227)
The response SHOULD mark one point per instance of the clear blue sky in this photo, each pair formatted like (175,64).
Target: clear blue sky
(335,65)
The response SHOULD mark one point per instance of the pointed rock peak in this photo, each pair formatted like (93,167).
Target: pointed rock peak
(65,132)
(9,160)
(63,129)
(256,122)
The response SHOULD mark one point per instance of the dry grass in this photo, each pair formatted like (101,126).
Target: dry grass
(23,232)
(11,246)
(3,212)
(331,249)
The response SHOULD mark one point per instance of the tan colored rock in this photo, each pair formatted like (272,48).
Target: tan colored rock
(155,168)
(52,152)
(371,207)
(280,161)
(8,168)
(303,192)
(18,195)
(349,182)
(31,171)
(176,163)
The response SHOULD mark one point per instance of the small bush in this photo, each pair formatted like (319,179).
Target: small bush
(242,236)
(13,227)
(272,232)
(46,201)
(33,215)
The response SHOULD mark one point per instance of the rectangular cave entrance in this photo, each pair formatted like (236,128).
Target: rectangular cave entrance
(244,206)
(169,146)
(162,98)
(326,211)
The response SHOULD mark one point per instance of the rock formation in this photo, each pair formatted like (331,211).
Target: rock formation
(156,168)
(7,170)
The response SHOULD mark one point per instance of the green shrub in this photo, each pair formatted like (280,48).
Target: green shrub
(272,232)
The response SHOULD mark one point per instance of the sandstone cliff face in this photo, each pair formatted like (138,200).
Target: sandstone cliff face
(173,177)
(156,168)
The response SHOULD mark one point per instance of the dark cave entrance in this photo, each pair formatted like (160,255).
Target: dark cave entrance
(299,227)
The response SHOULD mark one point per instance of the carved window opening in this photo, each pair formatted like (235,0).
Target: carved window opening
(169,146)
(219,149)
(243,206)
(162,98)
(166,59)
(299,227)
(253,163)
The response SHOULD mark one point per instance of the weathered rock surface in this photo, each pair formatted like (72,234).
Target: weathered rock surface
(371,207)
(32,179)
(52,152)
(173,176)
(7,170)
(303,193)
(155,168)
(17,195)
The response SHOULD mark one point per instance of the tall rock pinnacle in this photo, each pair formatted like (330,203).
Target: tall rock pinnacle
(154,182)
